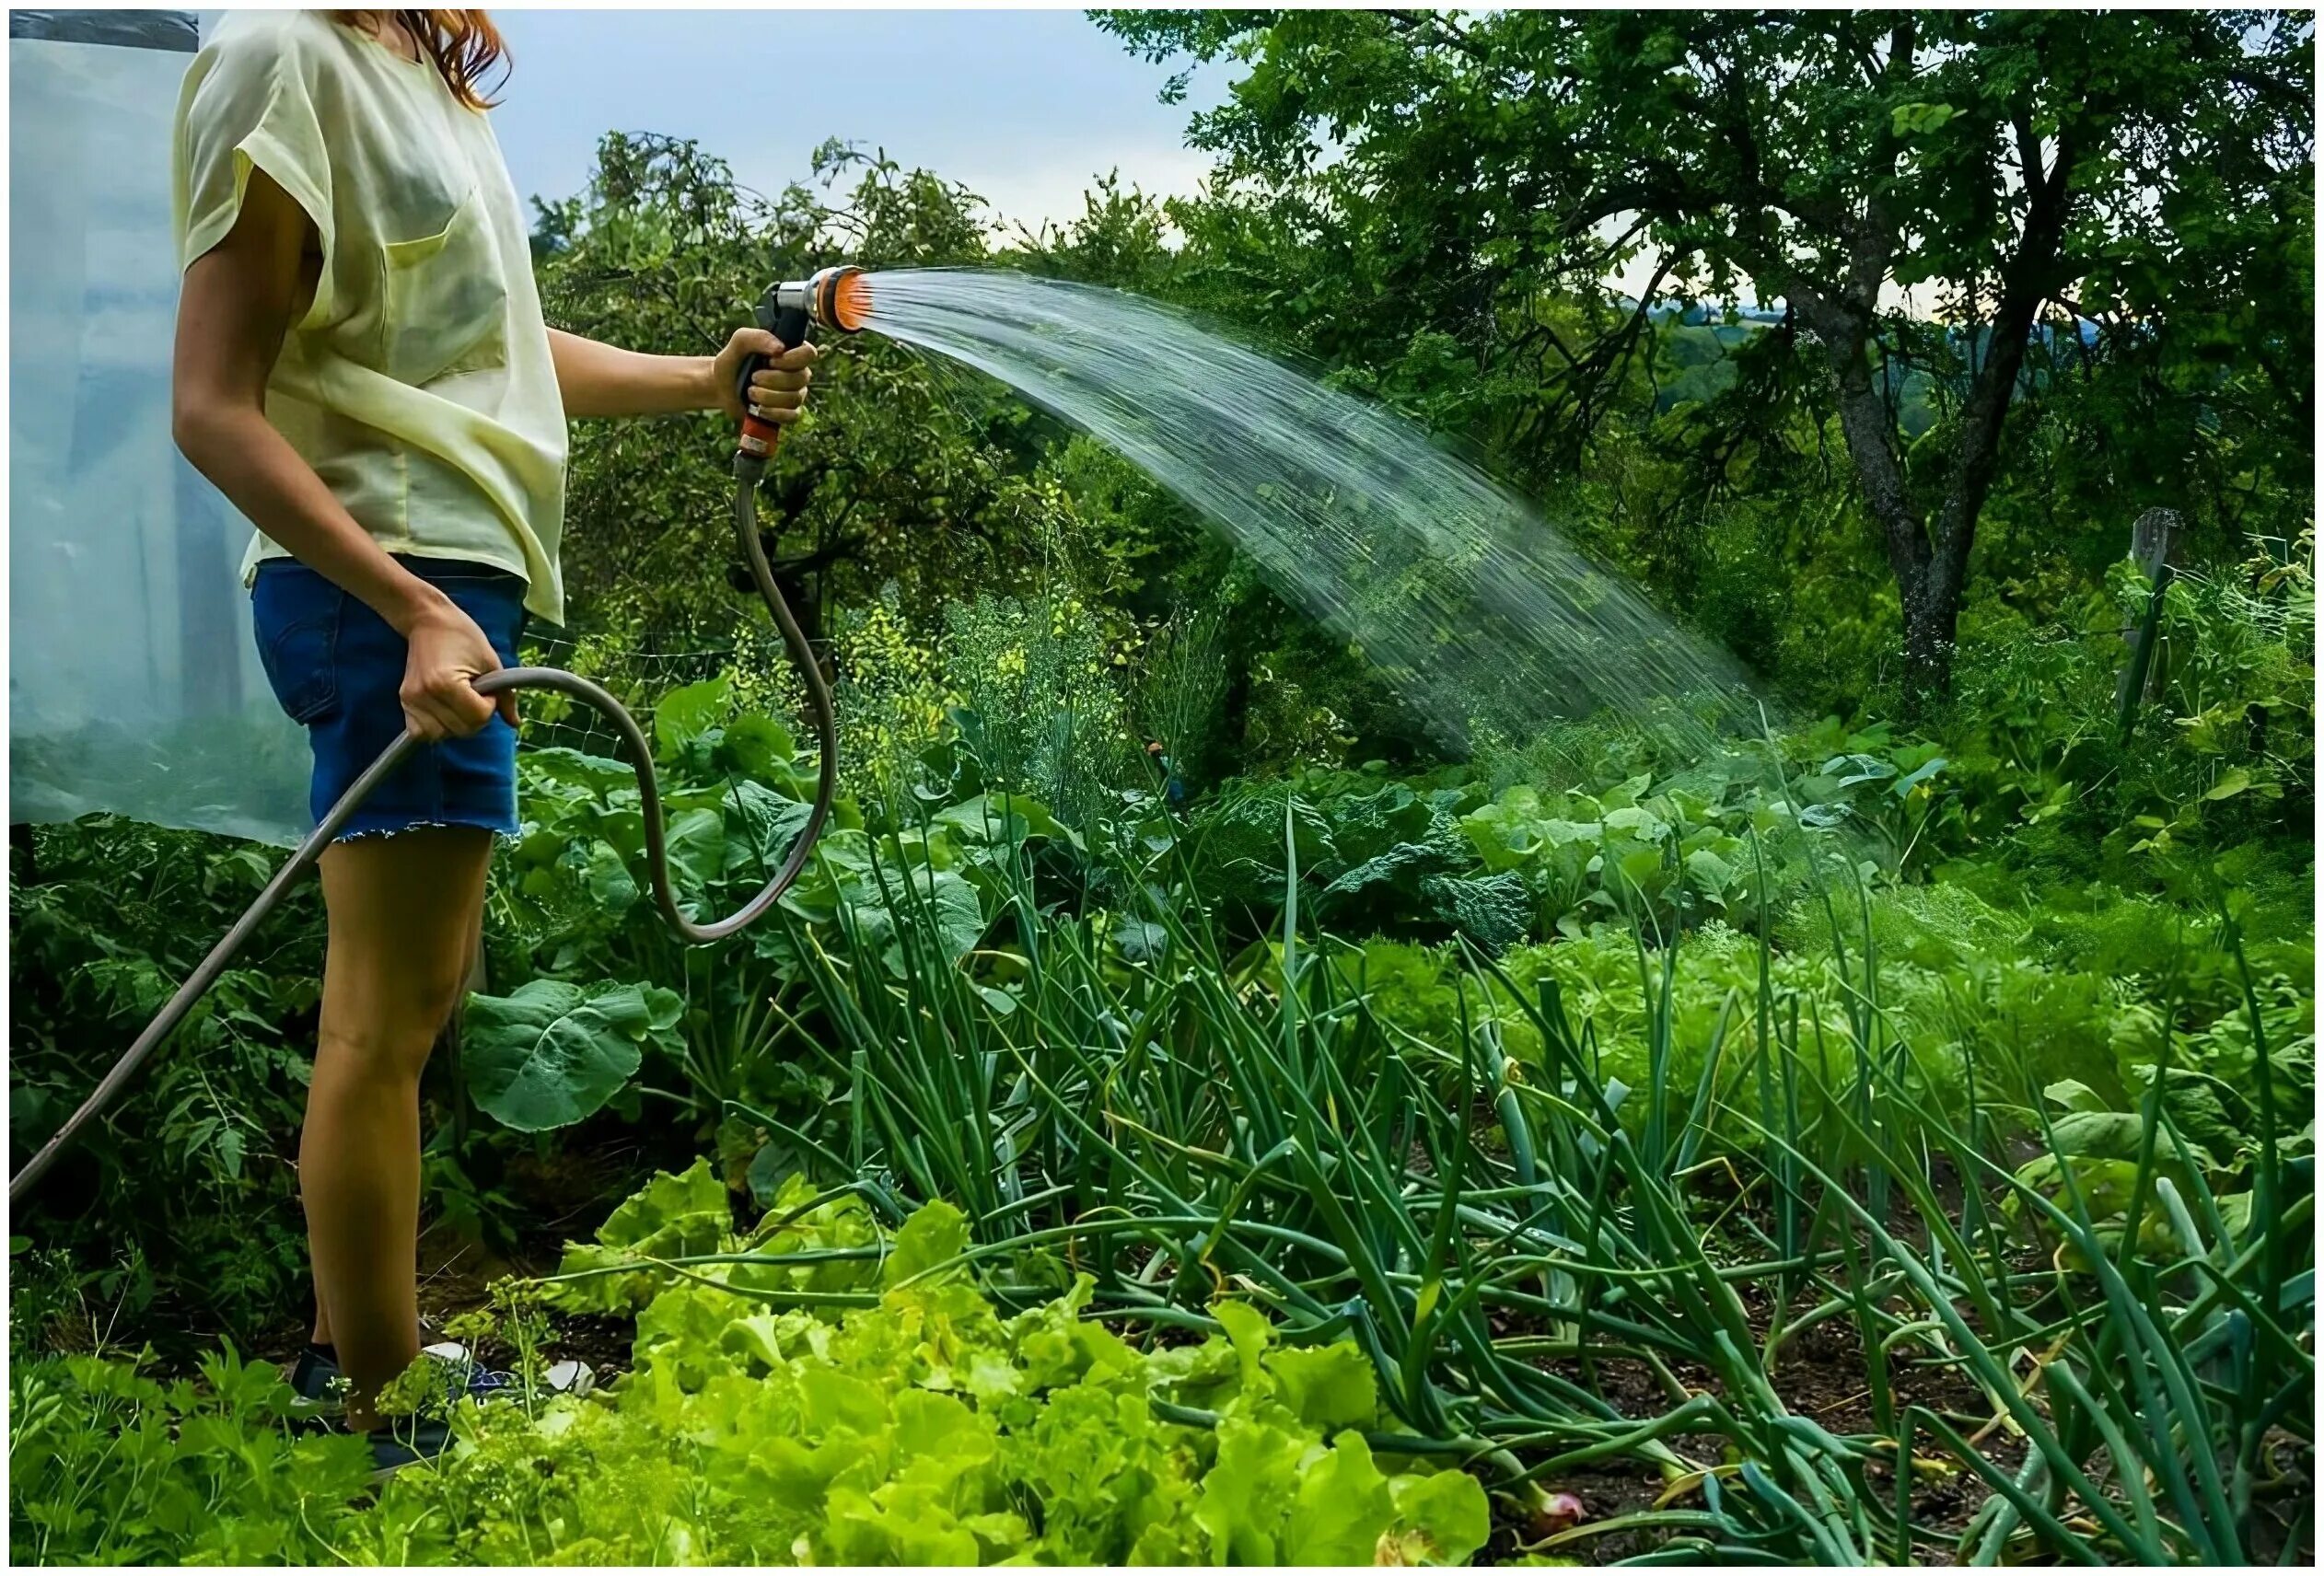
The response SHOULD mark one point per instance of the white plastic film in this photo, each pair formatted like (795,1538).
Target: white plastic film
(133,685)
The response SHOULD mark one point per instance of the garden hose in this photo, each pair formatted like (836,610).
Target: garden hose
(832,298)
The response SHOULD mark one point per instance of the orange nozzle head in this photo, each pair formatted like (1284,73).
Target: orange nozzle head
(843,298)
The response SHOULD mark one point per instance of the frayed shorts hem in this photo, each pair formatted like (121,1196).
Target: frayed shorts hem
(362,831)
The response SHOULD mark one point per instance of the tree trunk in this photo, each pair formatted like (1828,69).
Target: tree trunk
(1929,568)
(1931,613)
(1930,555)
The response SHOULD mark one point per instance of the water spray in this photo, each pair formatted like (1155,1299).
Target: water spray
(836,299)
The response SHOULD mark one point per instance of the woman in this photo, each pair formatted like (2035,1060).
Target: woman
(361,367)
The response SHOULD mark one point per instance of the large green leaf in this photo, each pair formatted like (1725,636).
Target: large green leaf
(1245,1495)
(935,1234)
(671,1200)
(697,842)
(684,716)
(1373,824)
(1508,832)
(761,828)
(1397,867)
(1240,843)
(939,904)
(672,1216)
(1004,818)
(1494,912)
(596,773)
(1326,1386)
(610,887)
(2107,1135)
(1444,1516)
(549,1053)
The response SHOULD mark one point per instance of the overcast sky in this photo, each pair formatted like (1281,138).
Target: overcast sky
(1025,107)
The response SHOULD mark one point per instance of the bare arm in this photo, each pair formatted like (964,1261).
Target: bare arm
(600,380)
(239,302)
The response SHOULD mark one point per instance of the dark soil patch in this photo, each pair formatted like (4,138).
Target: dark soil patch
(1822,1375)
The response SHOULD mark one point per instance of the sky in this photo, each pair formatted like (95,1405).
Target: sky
(1024,108)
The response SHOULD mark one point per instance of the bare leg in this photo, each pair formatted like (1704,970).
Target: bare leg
(403,914)
(320,1334)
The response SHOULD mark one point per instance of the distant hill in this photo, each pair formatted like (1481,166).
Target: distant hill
(1699,342)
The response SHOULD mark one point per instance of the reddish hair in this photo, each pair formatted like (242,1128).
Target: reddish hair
(464,45)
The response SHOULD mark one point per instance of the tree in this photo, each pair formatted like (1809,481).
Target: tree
(902,473)
(1477,173)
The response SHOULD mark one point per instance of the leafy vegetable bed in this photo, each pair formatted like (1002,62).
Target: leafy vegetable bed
(916,1427)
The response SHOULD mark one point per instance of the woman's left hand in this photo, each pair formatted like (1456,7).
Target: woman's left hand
(778,392)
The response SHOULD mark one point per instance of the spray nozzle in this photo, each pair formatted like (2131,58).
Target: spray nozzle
(830,298)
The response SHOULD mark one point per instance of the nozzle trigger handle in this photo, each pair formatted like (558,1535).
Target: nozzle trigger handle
(789,326)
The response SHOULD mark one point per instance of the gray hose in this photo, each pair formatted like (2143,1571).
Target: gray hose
(747,470)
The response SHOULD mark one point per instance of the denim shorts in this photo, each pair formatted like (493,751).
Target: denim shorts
(337,668)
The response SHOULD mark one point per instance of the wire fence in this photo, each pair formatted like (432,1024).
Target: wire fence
(754,663)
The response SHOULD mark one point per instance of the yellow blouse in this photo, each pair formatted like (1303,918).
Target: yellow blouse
(419,383)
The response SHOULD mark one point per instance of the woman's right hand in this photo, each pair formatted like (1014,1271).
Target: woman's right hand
(448,653)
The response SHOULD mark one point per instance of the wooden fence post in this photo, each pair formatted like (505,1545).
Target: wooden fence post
(2154,538)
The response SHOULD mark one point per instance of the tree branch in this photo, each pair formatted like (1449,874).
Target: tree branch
(1435,28)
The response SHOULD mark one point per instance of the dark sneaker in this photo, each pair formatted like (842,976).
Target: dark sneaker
(407,1442)
(315,1376)
(463,1375)
(565,1378)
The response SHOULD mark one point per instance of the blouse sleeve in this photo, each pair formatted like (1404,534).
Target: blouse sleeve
(248,103)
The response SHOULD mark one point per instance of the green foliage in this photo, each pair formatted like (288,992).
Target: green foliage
(177,1206)
(1540,1058)
(549,1053)
(689,1216)
(918,1428)
(906,475)
(572,895)
(1039,712)
(1965,1003)
(109,1468)
(1460,258)
(848,1371)
(1455,850)
(1525,1159)
(2220,765)
(925,1429)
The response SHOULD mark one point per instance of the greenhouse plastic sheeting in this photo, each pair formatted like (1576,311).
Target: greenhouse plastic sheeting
(133,685)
